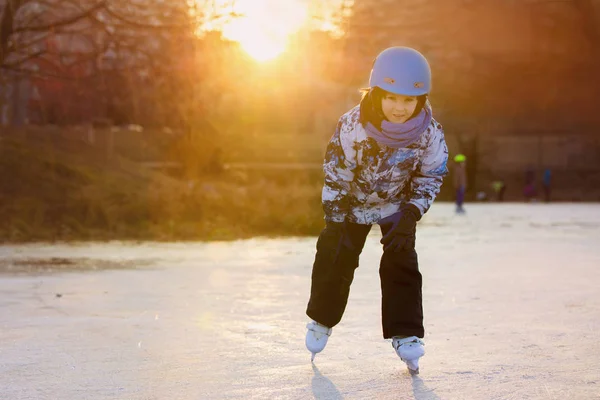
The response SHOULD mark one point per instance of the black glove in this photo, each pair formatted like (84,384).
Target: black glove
(401,225)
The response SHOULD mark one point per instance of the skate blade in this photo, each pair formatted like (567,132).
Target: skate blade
(413,367)
(312,357)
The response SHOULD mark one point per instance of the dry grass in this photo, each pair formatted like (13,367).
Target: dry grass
(64,193)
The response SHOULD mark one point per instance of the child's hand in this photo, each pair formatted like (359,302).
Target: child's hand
(401,230)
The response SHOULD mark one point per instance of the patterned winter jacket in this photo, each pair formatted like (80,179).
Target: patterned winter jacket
(366,181)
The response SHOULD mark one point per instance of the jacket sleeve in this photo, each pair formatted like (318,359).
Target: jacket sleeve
(430,172)
(339,166)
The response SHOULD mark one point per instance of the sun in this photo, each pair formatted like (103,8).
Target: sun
(264,27)
(260,43)
(262,48)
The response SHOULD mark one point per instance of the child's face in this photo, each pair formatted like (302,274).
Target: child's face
(398,108)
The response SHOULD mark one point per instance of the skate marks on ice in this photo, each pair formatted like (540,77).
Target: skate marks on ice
(36,266)
(43,259)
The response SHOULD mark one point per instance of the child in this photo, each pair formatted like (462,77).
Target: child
(384,165)
(460,181)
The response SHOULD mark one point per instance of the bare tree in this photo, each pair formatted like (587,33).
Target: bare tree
(102,45)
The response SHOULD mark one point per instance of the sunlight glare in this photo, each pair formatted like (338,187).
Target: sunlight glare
(264,26)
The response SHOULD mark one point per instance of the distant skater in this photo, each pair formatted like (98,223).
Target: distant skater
(529,191)
(460,181)
(547,184)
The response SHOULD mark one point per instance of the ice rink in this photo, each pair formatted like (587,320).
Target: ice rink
(511,298)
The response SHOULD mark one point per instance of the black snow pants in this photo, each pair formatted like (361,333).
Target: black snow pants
(338,251)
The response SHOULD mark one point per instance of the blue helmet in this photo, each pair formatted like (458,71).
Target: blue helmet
(401,70)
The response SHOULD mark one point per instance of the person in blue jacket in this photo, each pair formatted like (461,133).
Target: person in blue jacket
(384,165)
(547,184)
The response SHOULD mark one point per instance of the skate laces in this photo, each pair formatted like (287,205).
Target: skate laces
(318,328)
(409,342)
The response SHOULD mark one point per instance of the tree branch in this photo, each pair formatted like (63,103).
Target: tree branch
(140,25)
(41,74)
(68,21)
(17,63)
(20,45)
(7,25)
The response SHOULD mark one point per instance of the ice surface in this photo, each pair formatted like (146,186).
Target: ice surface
(511,298)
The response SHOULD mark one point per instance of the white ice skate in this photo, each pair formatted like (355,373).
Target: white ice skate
(316,338)
(409,349)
